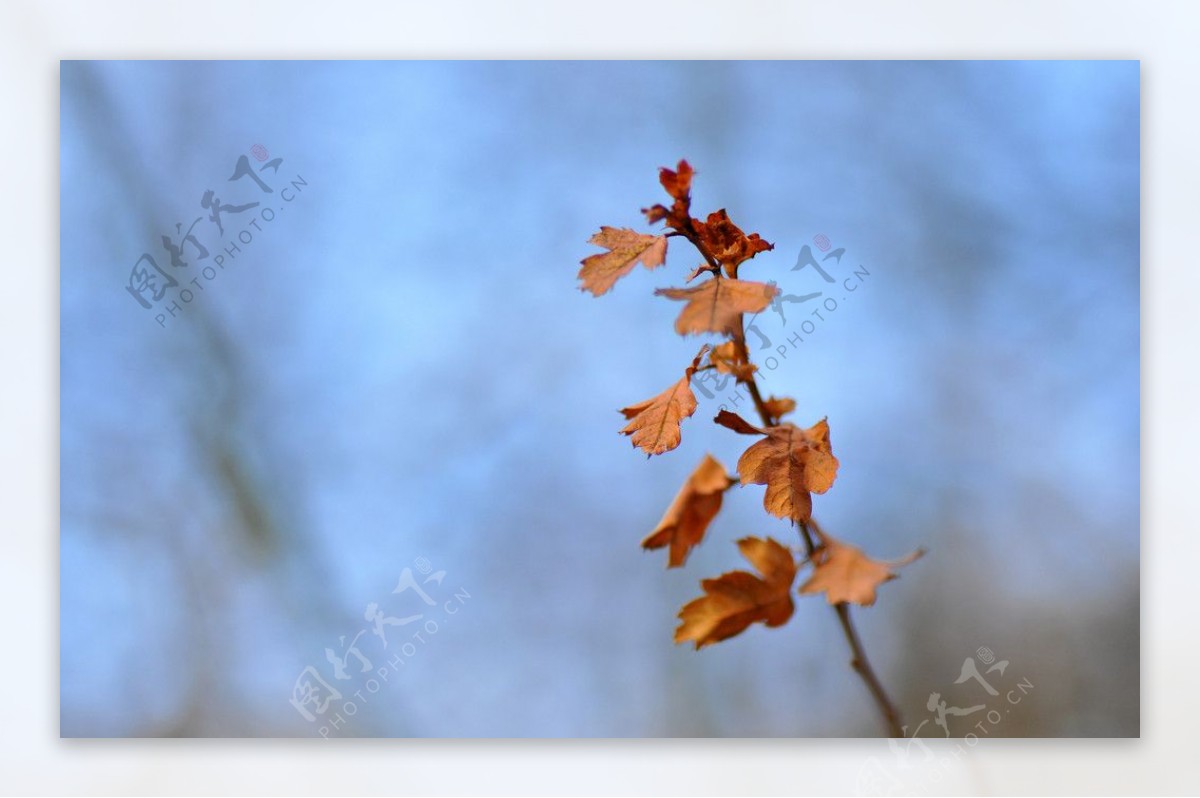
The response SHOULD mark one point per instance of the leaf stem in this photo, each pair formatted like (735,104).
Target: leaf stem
(739,341)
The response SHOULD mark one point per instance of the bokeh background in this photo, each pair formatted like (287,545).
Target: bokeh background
(399,370)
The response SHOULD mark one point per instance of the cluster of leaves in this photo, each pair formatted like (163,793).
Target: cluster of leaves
(793,462)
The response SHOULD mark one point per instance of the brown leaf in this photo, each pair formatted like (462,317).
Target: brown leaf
(699,500)
(716,305)
(655,422)
(678,184)
(656,213)
(727,243)
(779,407)
(736,423)
(626,247)
(793,463)
(733,601)
(726,358)
(844,573)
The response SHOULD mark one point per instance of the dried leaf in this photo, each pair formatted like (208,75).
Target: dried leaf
(655,422)
(738,424)
(656,213)
(779,407)
(844,573)
(727,359)
(733,601)
(716,305)
(683,525)
(626,247)
(727,243)
(678,184)
(793,463)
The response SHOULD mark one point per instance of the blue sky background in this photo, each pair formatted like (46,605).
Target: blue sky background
(400,366)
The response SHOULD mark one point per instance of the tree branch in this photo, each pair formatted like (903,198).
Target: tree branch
(859,661)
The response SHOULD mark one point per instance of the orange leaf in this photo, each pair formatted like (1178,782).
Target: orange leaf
(727,359)
(779,407)
(733,601)
(793,463)
(626,247)
(678,184)
(844,573)
(727,243)
(716,305)
(655,422)
(698,502)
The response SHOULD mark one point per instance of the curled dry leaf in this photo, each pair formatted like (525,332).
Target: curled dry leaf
(678,184)
(733,601)
(626,247)
(656,213)
(793,463)
(727,359)
(716,305)
(699,500)
(727,243)
(654,423)
(844,573)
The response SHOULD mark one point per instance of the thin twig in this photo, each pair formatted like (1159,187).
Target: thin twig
(859,661)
